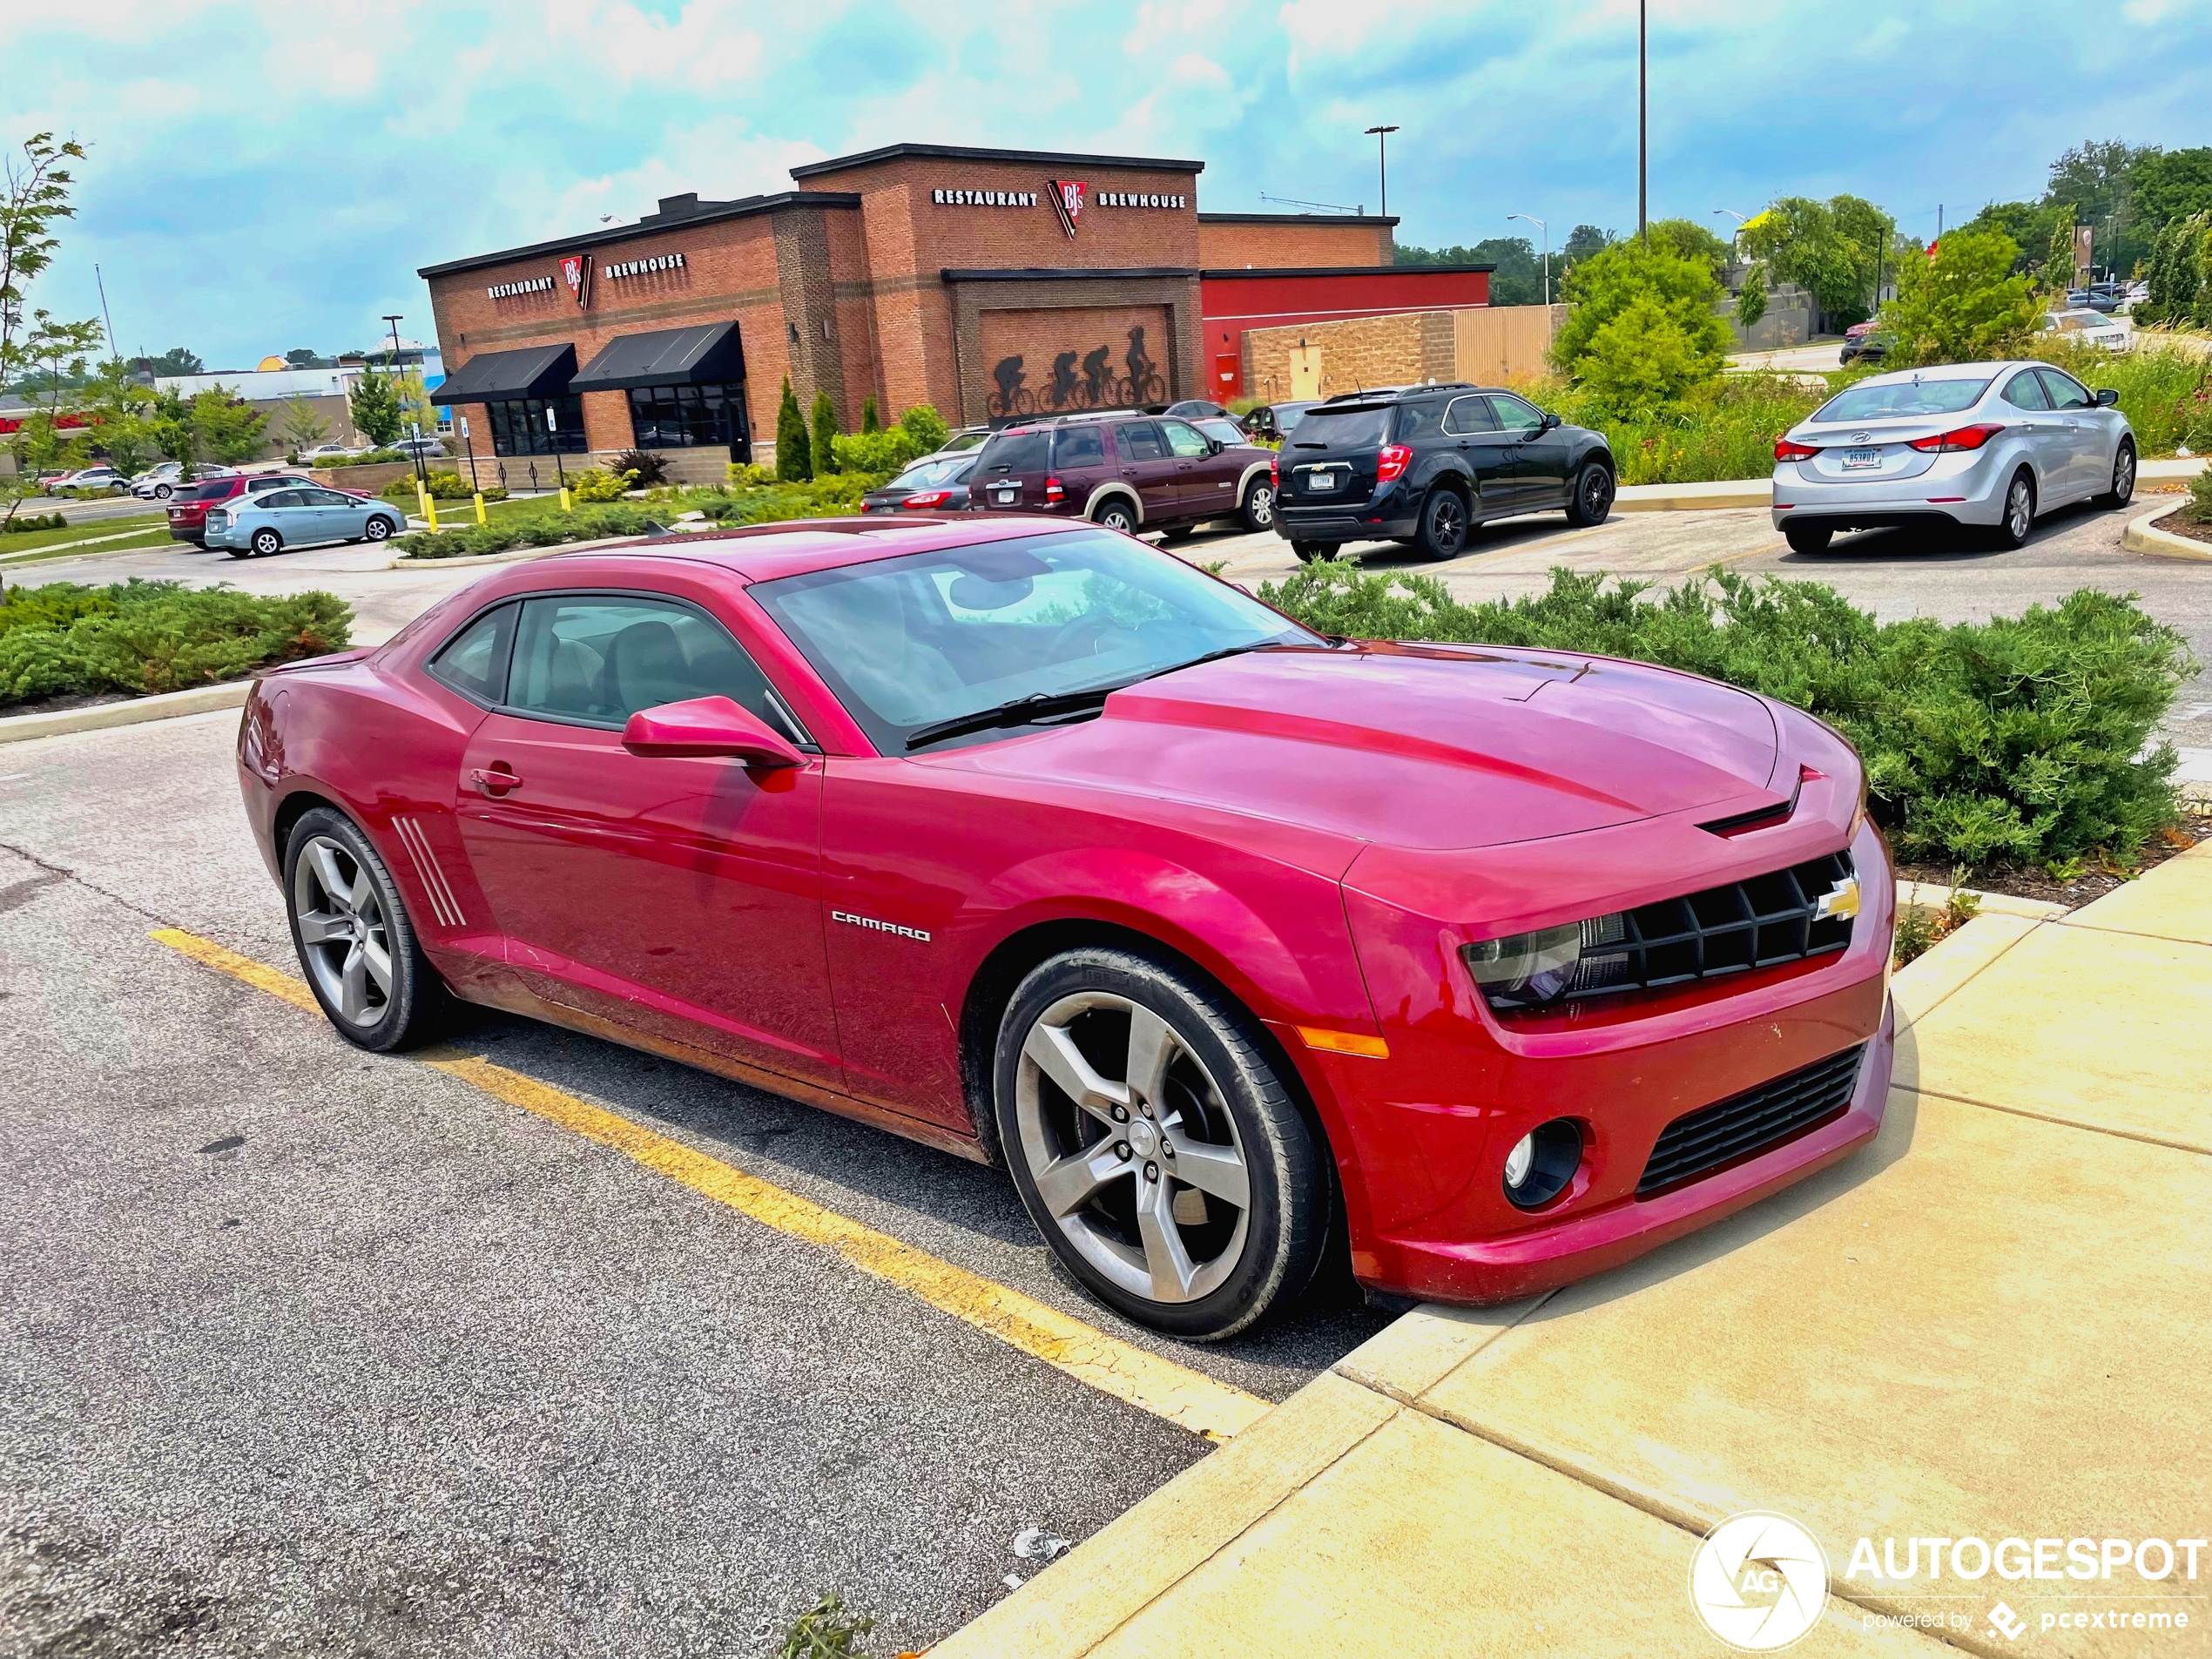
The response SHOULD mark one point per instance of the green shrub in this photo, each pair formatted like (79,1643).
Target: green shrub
(23,524)
(594,484)
(1723,428)
(875,452)
(2200,507)
(648,468)
(826,435)
(1641,331)
(443,485)
(2023,739)
(746,474)
(926,427)
(1964,306)
(373,458)
(870,421)
(144,637)
(794,449)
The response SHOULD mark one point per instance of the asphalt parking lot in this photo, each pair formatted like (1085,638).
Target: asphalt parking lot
(312,1351)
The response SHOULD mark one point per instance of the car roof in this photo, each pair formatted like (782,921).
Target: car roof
(1940,372)
(767,552)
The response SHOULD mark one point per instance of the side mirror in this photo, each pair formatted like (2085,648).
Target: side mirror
(1215,446)
(708,726)
(1550,420)
(2107,399)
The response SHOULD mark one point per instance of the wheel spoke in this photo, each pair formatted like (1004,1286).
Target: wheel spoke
(380,964)
(363,897)
(1216,1170)
(352,986)
(1056,1055)
(1067,1185)
(336,887)
(1165,1259)
(323,928)
(1152,1049)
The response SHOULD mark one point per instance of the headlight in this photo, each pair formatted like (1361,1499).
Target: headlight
(1527,970)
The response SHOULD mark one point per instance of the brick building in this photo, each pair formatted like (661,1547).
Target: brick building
(987,282)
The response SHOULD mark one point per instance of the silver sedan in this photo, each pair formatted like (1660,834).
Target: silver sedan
(246,525)
(1985,445)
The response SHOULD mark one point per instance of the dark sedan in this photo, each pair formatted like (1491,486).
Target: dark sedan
(936,483)
(1272,422)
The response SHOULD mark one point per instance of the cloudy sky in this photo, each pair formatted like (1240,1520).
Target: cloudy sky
(265,174)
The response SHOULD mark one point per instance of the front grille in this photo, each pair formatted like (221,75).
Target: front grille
(1750,1121)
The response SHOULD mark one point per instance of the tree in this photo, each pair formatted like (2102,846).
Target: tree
(870,420)
(1963,306)
(375,403)
(301,357)
(2058,264)
(302,425)
(1641,330)
(177,360)
(417,412)
(2172,185)
(226,427)
(2176,274)
(2028,223)
(1833,249)
(1519,278)
(2097,180)
(1687,240)
(794,450)
(1750,302)
(1584,242)
(35,193)
(120,411)
(825,450)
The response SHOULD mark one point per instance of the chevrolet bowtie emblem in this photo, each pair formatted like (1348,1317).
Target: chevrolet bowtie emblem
(1842,900)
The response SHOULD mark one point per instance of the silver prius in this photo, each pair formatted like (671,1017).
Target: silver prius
(1985,445)
(246,525)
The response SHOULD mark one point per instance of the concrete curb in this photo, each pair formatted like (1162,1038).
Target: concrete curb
(1694,498)
(514,555)
(2143,536)
(202,699)
(1931,895)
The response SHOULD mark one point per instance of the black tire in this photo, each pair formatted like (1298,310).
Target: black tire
(1444,525)
(1590,500)
(1808,538)
(1307,552)
(415,1008)
(2123,476)
(238,552)
(1115,514)
(377,528)
(1175,533)
(1259,509)
(1252,1266)
(2019,522)
(264,543)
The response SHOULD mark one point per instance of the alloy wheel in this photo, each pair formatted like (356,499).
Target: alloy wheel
(1447,522)
(1263,507)
(1117,518)
(2123,475)
(1597,493)
(265,542)
(1131,1147)
(376,530)
(2020,510)
(343,931)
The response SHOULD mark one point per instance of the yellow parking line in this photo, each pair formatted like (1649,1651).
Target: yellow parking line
(1186,1398)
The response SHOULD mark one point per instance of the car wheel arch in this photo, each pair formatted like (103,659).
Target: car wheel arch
(1104,493)
(1257,470)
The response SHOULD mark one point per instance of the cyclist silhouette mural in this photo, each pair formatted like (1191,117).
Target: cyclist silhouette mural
(1142,386)
(1097,387)
(1098,379)
(1064,384)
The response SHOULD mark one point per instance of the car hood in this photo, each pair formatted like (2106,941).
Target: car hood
(1414,746)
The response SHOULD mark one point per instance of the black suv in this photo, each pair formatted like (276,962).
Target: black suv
(1424,464)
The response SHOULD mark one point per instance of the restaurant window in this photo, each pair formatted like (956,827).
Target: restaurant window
(518,426)
(691,417)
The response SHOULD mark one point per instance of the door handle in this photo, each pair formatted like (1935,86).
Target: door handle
(498,781)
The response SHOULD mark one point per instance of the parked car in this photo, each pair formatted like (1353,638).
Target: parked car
(2101,300)
(328,452)
(91,480)
(1272,422)
(1125,470)
(961,443)
(1867,340)
(1423,465)
(2090,327)
(933,484)
(423,445)
(1189,407)
(188,511)
(1222,428)
(157,483)
(1980,446)
(1233,943)
(260,523)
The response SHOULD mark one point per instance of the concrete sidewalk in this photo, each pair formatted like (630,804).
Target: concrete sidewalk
(1995,1323)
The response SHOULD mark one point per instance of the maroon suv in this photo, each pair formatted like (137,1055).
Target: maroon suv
(188,512)
(1128,471)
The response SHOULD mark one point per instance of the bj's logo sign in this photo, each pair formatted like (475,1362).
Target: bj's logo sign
(1067,200)
(575,271)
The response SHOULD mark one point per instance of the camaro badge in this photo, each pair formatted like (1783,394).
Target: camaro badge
(914,933)
(1842,900)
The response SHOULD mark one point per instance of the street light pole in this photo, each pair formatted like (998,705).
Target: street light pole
(1643,126)
(1381,136)
(1544,230)
(420,472)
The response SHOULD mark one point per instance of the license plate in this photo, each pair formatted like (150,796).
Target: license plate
(1860,459)
(1322,478)
(1004,497)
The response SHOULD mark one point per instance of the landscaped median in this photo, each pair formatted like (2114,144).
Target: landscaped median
(136,640)
(540,522)
(1989,1333)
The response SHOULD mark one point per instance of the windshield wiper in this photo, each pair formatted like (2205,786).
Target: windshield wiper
(1210,656)
(1022,711)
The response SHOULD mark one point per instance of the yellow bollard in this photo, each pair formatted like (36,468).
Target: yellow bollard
(430,512)
(479,507)
(567,506)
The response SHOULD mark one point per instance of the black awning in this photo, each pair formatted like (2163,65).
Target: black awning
(503,376)
(672,357)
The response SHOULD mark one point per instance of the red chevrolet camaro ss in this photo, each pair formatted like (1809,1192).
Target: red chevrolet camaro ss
(1235,944)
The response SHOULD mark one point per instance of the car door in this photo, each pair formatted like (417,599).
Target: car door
(1540,453)
(2083,428)
(1487,449)
(2027,401)
(677,896)
(1150,468)
(1205,482)
(336,517)
(285,511)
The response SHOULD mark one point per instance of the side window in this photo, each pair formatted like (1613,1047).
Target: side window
(1140,441)
(2066,393)
(1187,443)
(597,658)
(475,665)
(1514,415)
(1468,415)
(2024,391)
(1419,421)
(279,498)
(1079,446)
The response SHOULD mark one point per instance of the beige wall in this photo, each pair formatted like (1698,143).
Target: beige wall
(1503,343)
(1487,345)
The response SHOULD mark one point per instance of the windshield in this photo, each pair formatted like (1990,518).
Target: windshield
(1326,429)
(1903,398)
(908,642)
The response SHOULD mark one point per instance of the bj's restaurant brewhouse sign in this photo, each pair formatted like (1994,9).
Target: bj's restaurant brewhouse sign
(1068,198)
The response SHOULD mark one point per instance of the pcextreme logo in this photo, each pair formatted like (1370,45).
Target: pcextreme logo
(870,923)
(1759,1581)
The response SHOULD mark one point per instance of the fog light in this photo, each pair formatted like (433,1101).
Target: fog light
(1542,1162)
